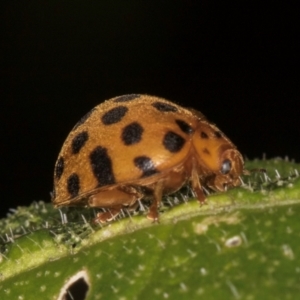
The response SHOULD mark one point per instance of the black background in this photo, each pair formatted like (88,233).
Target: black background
(237,62)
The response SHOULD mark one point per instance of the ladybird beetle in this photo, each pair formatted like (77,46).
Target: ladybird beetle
(134,147)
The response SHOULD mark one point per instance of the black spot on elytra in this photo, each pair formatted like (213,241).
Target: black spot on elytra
(204,135)
(59,168)
(114,115)
(126,98)
(79,141)
(185,127)
(73,185)
(218,134)
(146,165)
(165,107)
(206,151)
(84,118)
(132,133)
(173,142)
(102,166)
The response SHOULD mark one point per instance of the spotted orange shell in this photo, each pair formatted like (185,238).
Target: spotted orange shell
(136,146)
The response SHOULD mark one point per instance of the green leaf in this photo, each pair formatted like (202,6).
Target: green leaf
(244,244)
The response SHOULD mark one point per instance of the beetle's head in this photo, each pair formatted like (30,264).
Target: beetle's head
(222,162)
(231,167)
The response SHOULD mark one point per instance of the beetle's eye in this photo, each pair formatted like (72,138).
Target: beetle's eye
(226,166)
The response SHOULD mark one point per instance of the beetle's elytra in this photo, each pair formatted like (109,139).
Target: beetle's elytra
(136,146)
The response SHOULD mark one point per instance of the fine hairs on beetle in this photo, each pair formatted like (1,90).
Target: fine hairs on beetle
(136,147)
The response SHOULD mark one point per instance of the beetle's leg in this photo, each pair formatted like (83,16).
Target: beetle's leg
(108,215)
(216,183)
(222,182)
(157,195)
(114,200)
(196,186)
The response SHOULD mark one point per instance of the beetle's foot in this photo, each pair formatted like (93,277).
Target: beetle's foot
(108,216)
(202,202)
(153,215)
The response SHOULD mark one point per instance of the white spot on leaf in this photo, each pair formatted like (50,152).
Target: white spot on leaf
(287,252)
(234,241)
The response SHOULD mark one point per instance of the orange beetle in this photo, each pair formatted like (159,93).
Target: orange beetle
(138,146)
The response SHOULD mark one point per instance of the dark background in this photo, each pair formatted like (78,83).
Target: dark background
(237,63)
